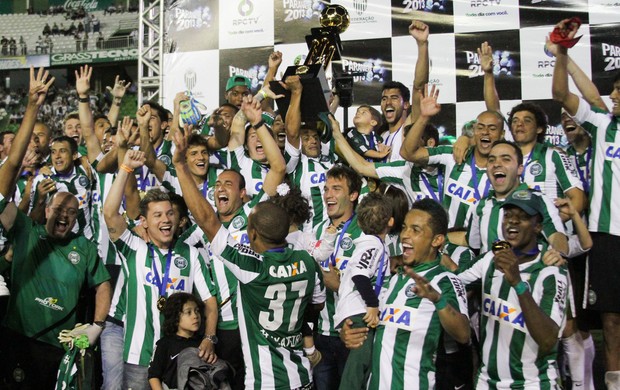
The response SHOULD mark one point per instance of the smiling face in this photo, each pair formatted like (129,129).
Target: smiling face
(156,127)
(61,214)
(62,157)
(160,223)
(487,129)
(503,169)
(310,143)
(419,242)
(197,158)
(574,132)
(524,128)
(615,99)
(228,195)
(393,105)
(73,129)
(102,125)
(520,229)
(278,131)
(338,199)
(254,146)
(189,319)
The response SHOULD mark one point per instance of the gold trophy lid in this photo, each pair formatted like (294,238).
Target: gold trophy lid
(335,15)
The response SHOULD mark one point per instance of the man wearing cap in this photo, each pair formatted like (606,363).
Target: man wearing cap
(523,301)
(236,88)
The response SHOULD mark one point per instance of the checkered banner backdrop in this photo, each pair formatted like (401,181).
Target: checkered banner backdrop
(207,41)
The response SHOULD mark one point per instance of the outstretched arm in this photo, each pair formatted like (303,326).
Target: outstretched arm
(117,92)
(411,150)
(82,87)
(199,207)
(560,89)
(491,98)
(419,31)
(292,122)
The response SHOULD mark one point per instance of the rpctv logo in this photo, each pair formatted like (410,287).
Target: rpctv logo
(301,9)
(185,19)
(256,73)
(611,54)
(245,9)
(370,70)
(503,64)
(424,5)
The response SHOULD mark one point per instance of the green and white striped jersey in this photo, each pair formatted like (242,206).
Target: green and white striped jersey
(308,174)
(409,330)
(107,251)
(485,226)
(395,141)
(583,164)
(416,182)
(550,170)
(462,189)
(79,183)
(343,251)
(252,171)
(144,177)
(605,184)
(510,356)
(275,289)
(145,267)
(170,181)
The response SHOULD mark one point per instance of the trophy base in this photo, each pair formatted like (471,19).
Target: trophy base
(315,95)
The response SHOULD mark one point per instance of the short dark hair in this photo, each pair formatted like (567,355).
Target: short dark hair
(404,91)
(516,148)
(340,171)
(375,115)
(101,116)
(438,220)
(295,205)
(235,108)
(374,213)
(617,77)
(179,201)
(271,222)
(161,112)
(239,175)
(539,115)
(430,132)
(399,202)
(174,308)
(197,140)
(152,196)
(63,138)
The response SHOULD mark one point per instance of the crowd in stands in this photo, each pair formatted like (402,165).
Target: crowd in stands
(272,251)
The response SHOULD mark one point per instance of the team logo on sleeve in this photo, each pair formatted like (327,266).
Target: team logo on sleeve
(210,194)
(180,262)
(410,290)
(83,180)
(536,169)
(165,159)
(346,243)
(74,257)
(238,222)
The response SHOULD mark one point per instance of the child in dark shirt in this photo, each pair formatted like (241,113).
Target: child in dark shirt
(182,316)
(363,137)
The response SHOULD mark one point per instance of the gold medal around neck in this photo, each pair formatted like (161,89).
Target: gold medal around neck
(161,302)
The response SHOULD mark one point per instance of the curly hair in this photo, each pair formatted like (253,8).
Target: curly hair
(295,204)
(173,309)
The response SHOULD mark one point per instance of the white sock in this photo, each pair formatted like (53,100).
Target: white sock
(310,350)
(589,353)
(612,380)
(573,349)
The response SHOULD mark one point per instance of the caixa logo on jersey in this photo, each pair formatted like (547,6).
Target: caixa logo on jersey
(401,317)
(611,56)
(371,70)
(424,5)
(503,63)
(612,151)
(176,284)
(503,311)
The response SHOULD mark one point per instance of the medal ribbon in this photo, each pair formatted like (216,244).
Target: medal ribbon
(163,283)
(474,177)
(437,197)
(379,281)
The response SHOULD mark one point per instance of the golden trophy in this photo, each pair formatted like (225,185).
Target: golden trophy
(324,45)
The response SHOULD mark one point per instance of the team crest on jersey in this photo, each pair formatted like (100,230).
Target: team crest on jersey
(536,169)
(325,158)
(180,262)
(346,243)
(238,222)
(165,159)
(210,194)
(410,290)
(74,257)
(83,180)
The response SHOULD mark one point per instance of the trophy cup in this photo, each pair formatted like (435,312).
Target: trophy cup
(324,46)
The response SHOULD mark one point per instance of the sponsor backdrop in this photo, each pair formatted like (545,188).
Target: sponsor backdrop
(208,41)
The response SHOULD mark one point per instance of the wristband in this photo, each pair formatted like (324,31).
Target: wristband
(126,168)
(521,287)
(260,96)
(441,303)
(258,125)
(83,100)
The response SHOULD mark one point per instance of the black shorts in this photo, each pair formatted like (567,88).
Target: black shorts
(604,274)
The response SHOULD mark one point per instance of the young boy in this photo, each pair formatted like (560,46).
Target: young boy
(363,137)
(361,283)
